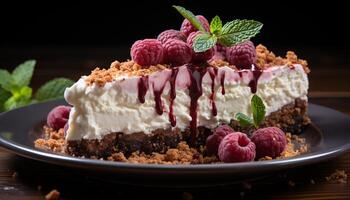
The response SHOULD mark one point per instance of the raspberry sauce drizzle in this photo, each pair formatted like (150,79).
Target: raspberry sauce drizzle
(222,82)
(172,81)
(213,73)
(158,99)
(253,84)
(142,88)
(195,91)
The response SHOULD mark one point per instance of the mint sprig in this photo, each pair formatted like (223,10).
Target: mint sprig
(190,17)
(204,42)
(53,89)
(258,111)
(237,31)
(16,92)
(232,33)
(215,25)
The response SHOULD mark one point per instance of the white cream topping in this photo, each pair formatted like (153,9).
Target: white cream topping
(115,107)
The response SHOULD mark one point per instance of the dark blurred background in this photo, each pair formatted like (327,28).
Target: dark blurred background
(78,36)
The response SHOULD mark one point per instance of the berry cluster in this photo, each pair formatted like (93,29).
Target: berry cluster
(175,47)
(58,117)
(232,146)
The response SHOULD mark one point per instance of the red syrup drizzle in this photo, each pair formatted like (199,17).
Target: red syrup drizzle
(253,84)
(195,91)
(172,81)
(158,99)
(142,88)
(222,82)
(213,73)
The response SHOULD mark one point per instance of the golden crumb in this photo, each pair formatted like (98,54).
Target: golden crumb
(295,146)
(53,195)
(339,176)
(266,59)
(52,140)
(129,68)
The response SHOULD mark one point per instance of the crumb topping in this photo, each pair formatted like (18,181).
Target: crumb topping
(182,154)
(53,195)
(265,59)
(339,176)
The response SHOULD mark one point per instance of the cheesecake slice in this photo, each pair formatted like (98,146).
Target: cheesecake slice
(129,108)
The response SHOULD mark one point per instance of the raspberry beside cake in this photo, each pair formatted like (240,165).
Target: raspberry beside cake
(172,91)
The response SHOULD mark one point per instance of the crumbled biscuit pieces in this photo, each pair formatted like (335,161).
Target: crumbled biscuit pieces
(266,59)
(53,195)
(52,140)
(339,176)
(129,68)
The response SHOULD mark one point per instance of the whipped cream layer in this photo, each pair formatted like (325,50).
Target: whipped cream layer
(117,106)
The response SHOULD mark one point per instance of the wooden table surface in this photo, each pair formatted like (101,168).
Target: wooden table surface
(22,178)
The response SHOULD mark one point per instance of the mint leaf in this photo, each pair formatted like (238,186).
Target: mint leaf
(190,17)
(258,110)
(203,42)
(53,89)
(19,99)
(238,31)
(244,120)
(6,80)
(23,73)
(4,95)
(215,25)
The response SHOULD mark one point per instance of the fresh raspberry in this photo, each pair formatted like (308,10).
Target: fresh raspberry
(242,55)
(213,141)
(58,117)
(187,28)
(171,34)
(147,52)
(236,147)
(202,56)
(177,52)
(221,49)
(270,141)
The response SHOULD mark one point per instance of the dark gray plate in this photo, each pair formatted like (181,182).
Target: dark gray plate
(329,137)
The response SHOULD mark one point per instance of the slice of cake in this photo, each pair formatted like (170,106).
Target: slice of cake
(181,86)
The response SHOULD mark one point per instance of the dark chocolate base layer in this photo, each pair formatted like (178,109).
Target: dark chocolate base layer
(290,118)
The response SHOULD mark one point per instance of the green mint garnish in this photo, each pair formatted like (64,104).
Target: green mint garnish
(204,42)
(238,31)
(23,73)
(53,89)
(215,25)
(190,17)
(244,120)
(232,33)
(258,111)
(15,91)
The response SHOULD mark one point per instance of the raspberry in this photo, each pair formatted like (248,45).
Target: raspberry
(202,56)
(242,55)
(236,147)
(213,141)
(220,48)
(171,34)
(269,141)
(177,52)
(147,52)
(58,117)
(187,28)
